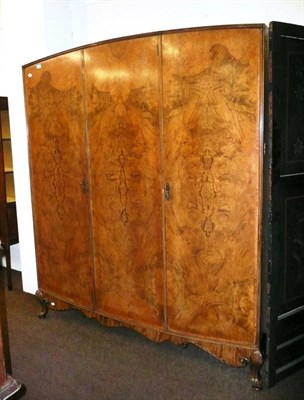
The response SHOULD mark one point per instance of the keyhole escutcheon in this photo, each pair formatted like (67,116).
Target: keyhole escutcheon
(167,191)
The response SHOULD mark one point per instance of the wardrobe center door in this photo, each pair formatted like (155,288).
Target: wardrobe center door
(212,95)
(122,86)
(57,151)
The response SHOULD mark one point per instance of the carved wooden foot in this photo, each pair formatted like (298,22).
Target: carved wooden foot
(43,303)
(256,363)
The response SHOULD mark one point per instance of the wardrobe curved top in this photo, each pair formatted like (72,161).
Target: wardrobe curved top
(141,35)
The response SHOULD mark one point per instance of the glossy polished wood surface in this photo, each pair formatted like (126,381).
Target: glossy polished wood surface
(57,147)
(212,87)
(146,161)
(122,81)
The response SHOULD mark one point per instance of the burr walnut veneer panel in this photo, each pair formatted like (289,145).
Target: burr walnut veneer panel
(212,94)
(122,90)
(57,150)
(145,158)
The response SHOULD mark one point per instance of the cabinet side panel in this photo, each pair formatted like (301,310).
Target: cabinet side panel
(212,95)
(123,105)
(55,116)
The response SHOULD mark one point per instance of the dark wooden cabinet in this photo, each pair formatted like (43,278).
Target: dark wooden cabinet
(8,385)
(8,226)
(151,164)
(286,272)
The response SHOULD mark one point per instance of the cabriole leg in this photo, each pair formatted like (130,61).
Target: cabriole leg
(256,363)
(43,303)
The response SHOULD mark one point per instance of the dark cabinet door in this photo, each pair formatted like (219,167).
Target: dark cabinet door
(57,149)
(286,275)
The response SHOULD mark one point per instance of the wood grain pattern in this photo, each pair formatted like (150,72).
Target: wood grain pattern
(179,108)
(57,146)
(212,86)
(123,108)
(228,353)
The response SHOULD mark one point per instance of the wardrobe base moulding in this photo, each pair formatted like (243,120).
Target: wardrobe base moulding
(229,354)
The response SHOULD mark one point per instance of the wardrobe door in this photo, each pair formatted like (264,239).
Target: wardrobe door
(122,85)
(213,83)
(57,151)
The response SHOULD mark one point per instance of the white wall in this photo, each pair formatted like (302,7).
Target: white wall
(21,39)
(32,29)
(97,20)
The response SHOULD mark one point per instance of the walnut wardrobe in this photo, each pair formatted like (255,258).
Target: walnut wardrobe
(167,188)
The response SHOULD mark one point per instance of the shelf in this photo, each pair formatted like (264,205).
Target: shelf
(10,187)
(9,226)
(10,199)
(7,154)
(5,127)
